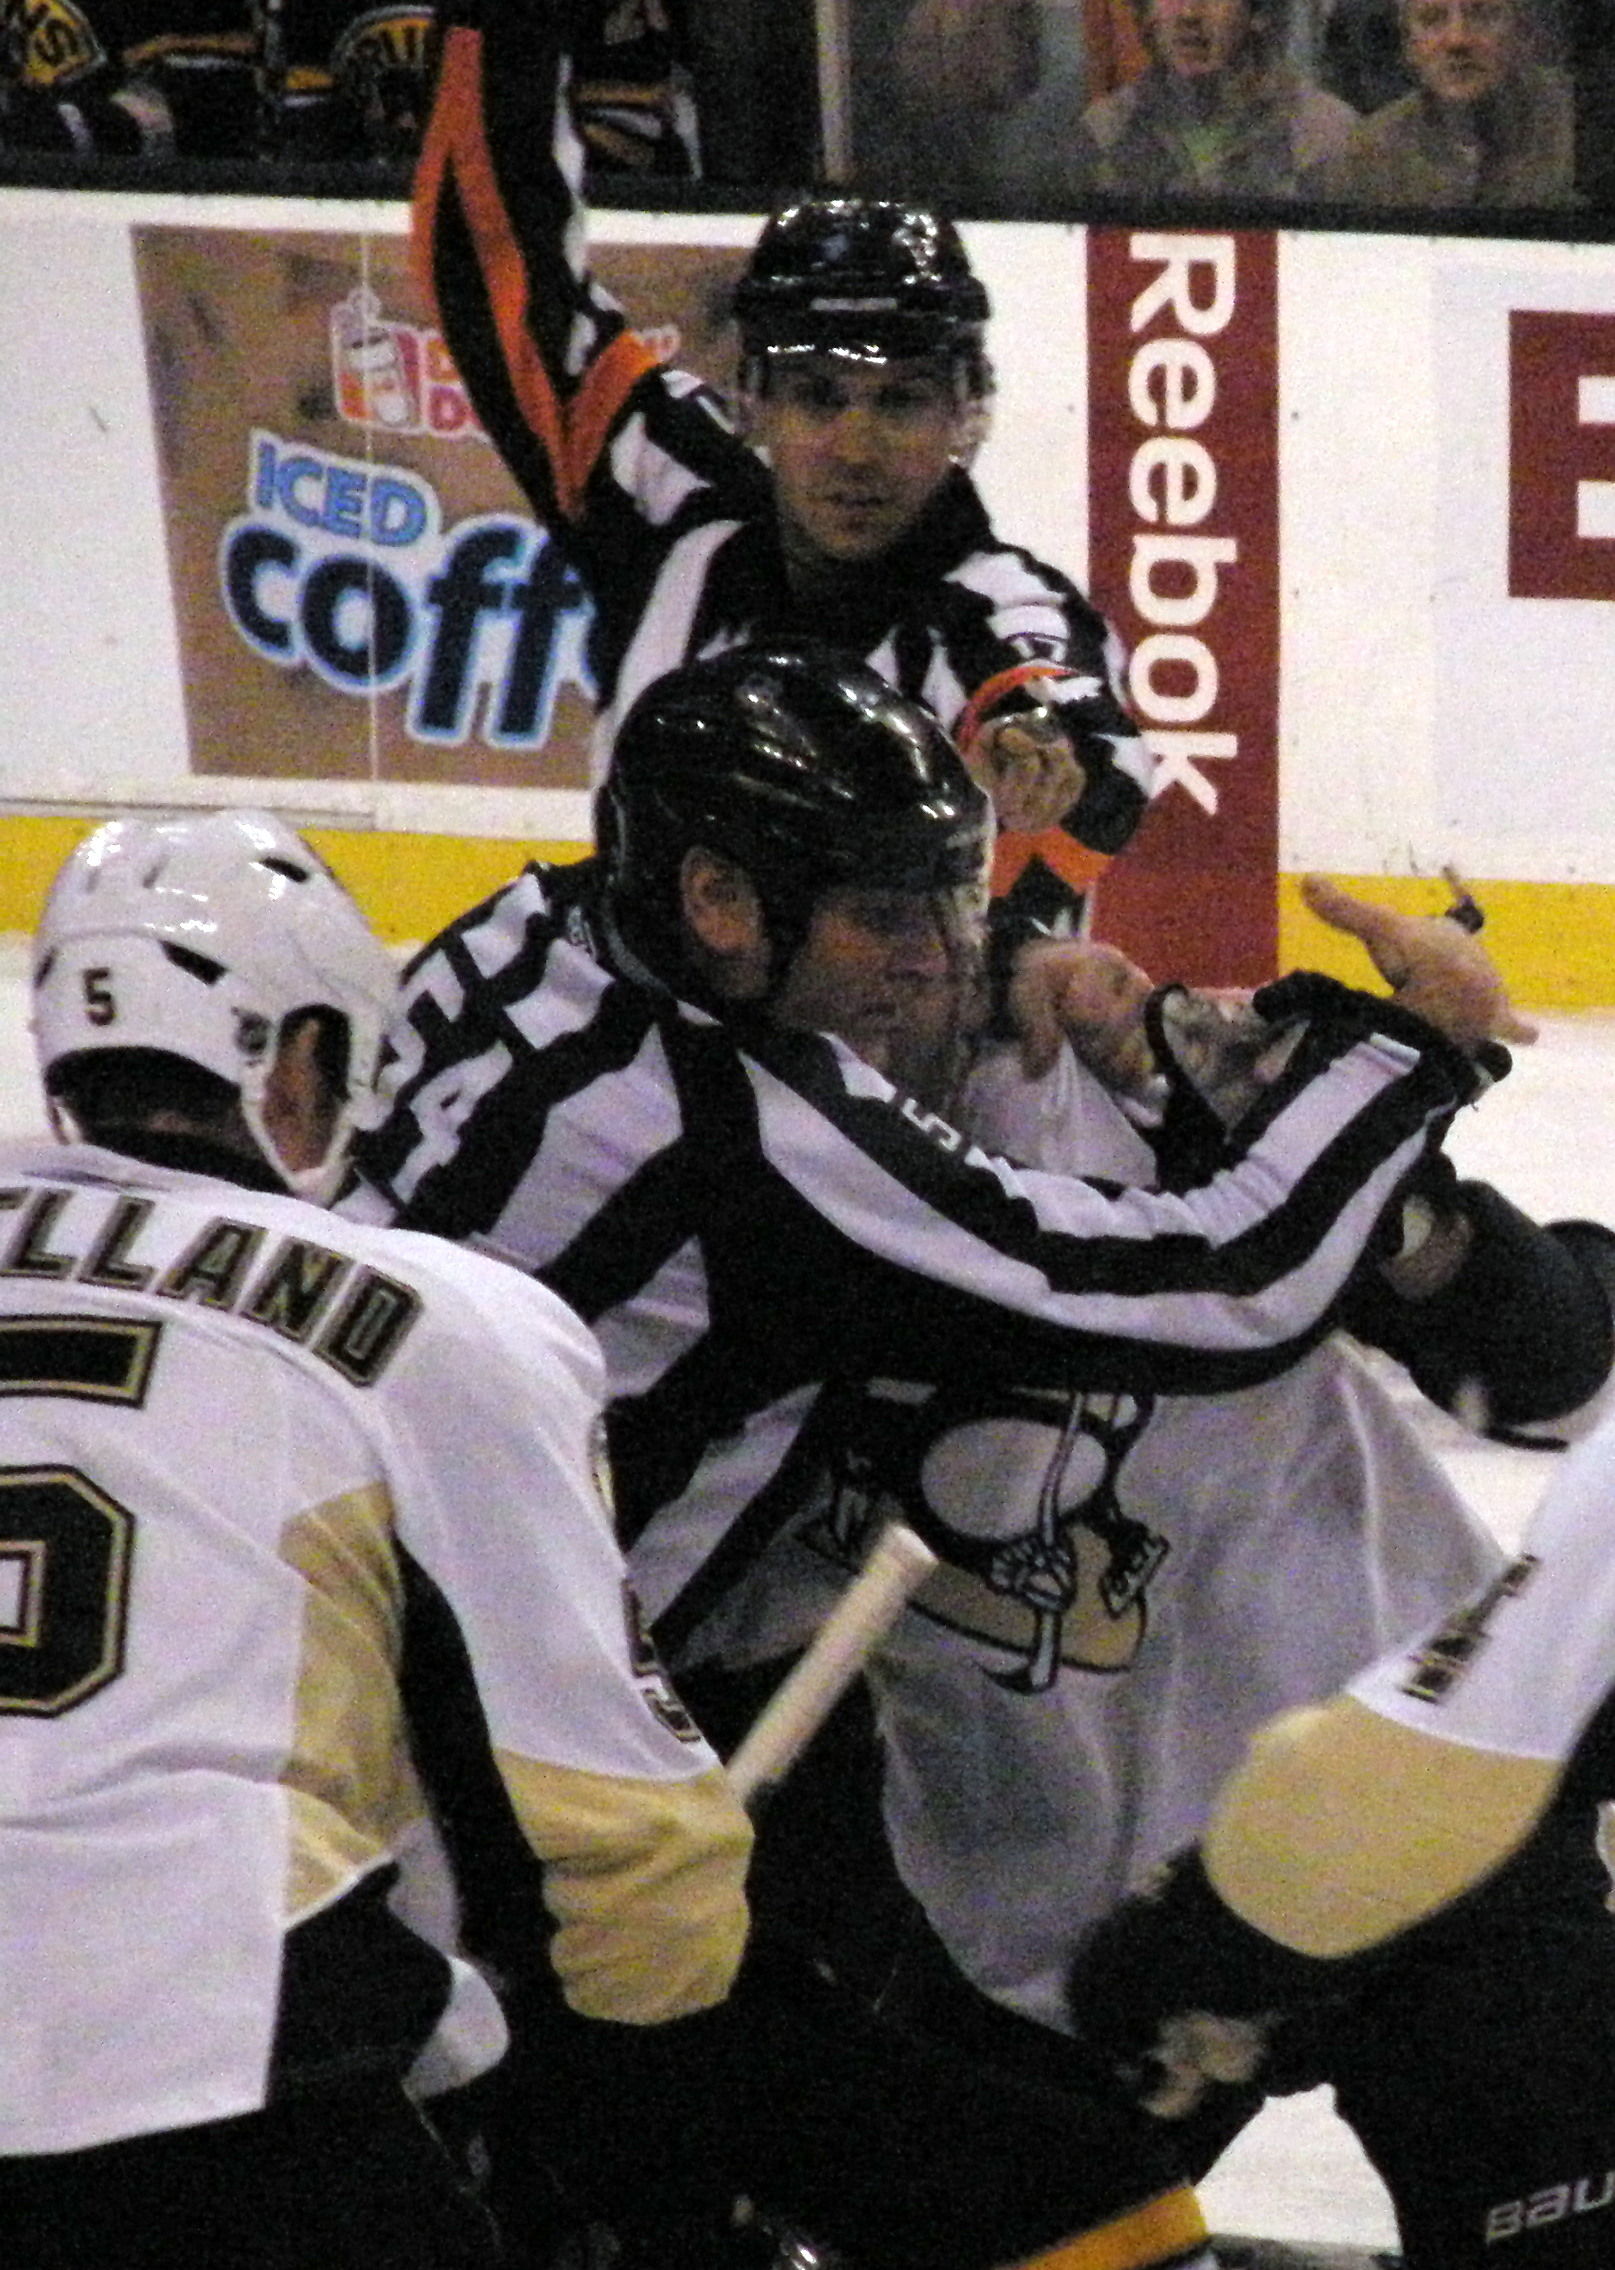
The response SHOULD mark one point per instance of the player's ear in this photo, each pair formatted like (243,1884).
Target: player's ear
(724,919)
(300,1104)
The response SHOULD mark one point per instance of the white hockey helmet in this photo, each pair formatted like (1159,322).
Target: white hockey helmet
(199,936)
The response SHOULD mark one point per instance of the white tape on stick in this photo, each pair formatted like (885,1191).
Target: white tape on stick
(898,1562)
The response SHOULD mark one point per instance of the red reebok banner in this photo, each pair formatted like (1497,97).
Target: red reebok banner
(1183,515)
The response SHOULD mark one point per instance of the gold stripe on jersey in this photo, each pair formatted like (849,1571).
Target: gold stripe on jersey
(646,1881)
(99,1358)
(352,1787)
(1162,2231)
(1342,1828)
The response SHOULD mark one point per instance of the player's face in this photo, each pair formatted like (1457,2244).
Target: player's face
(873,966)
(857,449)
(1460,50)
(1198,38)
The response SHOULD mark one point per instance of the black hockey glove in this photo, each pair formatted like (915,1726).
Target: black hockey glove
(1221,1058)
(1521,1334)
(1180,1998)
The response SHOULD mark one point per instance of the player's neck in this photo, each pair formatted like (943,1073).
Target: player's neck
(817,577)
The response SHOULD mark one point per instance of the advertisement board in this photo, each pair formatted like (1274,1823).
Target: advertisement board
(1346,498)
(1184,559)
(358,589)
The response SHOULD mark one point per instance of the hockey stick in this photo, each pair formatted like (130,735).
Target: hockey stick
(898,1564)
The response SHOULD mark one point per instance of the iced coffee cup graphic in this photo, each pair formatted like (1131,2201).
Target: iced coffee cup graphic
(372,384)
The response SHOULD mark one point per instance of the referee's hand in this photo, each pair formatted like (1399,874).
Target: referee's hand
(1434,966)
(1028,767)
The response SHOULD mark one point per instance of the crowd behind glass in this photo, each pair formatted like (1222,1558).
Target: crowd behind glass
(997,106)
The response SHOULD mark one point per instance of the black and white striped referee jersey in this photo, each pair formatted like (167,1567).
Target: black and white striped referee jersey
(748,1217)
(667,515)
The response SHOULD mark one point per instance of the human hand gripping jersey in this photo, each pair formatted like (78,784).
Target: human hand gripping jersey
(1192,1566)
(668,515)
(747,1216)
(238,1436)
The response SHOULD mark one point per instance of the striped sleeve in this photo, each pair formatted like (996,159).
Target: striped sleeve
(546,355)
(1021,635)
(779,1186)
(937,1246)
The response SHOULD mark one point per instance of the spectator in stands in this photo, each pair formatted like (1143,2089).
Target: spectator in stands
(1361,55)
(1221,110)
(338,83)
(1182,97)
(1489,122)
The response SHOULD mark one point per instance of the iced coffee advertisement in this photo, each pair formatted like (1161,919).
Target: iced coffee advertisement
(359,591)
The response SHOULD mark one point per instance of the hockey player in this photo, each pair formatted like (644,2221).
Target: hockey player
(1404,1858)
(1201,1558)
(842,507)
(239,80)
(374,1459)
(251,1456)
(286,80)
(1198,1559)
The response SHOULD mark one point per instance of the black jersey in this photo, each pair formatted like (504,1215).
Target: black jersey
(227,79)
(749,1217)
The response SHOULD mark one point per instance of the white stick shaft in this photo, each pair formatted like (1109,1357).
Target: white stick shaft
(898,1563)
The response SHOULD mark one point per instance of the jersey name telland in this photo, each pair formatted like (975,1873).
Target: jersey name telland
(289,1284)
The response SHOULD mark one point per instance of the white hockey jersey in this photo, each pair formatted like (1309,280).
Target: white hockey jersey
(1202,1564)
(233,1433)
(1351,1822)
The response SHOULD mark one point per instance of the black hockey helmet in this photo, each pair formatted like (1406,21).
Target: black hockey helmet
(802,765)
(866,277)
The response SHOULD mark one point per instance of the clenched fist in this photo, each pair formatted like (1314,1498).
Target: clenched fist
(1028,767)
